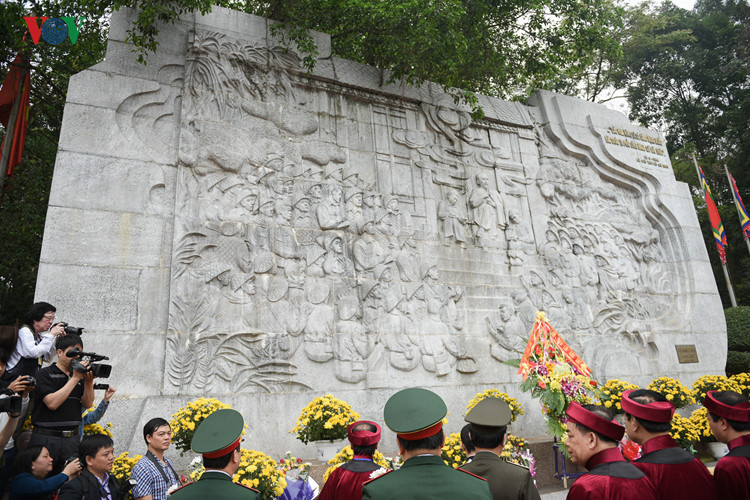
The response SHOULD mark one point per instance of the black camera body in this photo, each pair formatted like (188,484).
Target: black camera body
(11,404)
(98,369)
(71,330)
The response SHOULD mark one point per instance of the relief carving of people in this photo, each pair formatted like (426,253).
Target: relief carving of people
(507,330)
(331,212)
(488,211)
(320,323)
(520,241)
(452,222)
(351,345)
(367,251)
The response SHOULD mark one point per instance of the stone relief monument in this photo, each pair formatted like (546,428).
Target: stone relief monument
(243,229)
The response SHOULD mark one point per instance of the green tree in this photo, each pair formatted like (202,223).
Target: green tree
(23,202)
(689,72)
(505,49)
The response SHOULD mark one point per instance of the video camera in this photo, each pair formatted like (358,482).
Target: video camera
(98,369)
(70,330)
(10,404)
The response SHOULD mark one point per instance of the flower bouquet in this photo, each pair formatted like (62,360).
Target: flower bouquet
(299,484)
(346,454)
(187,419)
(556,375)
(515,407)
(324,419)
(673,390)
(713,383)
(516,451)
(257,470)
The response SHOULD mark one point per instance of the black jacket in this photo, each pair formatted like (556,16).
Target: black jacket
(86,487)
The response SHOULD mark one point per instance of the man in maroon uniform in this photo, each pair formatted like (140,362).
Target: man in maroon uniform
(345,482)
(729,420)
(592,442)
(676,473)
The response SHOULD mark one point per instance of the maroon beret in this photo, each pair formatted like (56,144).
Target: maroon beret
(739,412)
(363,438)
(656,411)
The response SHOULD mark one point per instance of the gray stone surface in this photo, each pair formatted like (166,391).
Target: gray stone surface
(224,224)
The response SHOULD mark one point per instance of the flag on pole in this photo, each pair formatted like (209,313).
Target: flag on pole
(18,75)
(720,237)
(744,219)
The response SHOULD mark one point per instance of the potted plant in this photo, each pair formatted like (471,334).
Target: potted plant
(673,390)
(186,420)
(325,420)
(699,419)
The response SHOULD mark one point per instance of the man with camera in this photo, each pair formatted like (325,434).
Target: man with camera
(61,390)
(97,457)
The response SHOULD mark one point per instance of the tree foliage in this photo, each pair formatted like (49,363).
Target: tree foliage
(23,202)
(494,47)
(688,72)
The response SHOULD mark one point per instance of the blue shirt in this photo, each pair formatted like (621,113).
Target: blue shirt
(27,487)
(150,479)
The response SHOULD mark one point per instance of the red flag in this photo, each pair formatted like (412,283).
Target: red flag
(18,75)
(720,237)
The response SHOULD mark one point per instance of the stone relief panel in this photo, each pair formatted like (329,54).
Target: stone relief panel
(318,227)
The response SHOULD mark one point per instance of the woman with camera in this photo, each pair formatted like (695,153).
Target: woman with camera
(31,482)
(36,340)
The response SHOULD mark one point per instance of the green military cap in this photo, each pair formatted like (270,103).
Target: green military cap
(415,413)
(489,415)
(218,434)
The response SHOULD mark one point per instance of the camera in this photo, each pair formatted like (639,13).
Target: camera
(70,330)
(31,381)
(98,369)
(103,387)
(10,405)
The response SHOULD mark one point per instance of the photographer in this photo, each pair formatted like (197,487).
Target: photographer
(34,345)
(60,393)
(95,482)
(9,420)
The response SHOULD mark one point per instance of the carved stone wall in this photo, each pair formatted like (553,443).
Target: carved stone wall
(226,224)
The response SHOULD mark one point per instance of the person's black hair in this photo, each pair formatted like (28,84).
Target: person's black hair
(434,442)
(466,440)
(601,412)
(730,398)
(646,396)
(152,425)
(365,450)
(488,441)
(219,462)
(4,356)
(36,312)
(68,340)
(26,458)
(90,446)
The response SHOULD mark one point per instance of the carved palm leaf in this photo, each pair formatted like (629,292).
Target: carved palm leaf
(186,252)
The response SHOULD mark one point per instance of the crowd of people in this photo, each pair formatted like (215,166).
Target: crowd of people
(53,461)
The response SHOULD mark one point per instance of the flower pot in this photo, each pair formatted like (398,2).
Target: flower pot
(328,449)
(718,450)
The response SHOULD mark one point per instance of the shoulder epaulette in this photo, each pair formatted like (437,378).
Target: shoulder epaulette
(373,479)
(471,474)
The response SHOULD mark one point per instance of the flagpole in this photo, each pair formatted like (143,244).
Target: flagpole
(736,203)
(723,265)
(10,131)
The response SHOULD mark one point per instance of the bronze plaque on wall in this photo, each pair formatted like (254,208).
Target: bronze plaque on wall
(686,353)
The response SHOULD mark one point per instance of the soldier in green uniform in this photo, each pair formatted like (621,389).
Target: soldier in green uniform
(489,420)
(416,416)
(218,438)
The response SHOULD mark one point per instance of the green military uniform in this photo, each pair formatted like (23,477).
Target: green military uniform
(415,414)
(507,481)
(219,434)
